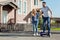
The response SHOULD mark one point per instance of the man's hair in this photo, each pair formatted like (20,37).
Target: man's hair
(43,2)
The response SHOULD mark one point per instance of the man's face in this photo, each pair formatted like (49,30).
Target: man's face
(44,4)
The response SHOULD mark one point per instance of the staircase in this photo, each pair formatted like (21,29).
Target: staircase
(15,27)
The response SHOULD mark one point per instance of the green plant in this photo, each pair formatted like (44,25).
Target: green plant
(40,23)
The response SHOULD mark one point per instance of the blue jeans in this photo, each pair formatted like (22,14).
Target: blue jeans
(35,26)
(48,23)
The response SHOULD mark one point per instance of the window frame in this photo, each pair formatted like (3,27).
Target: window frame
(14,0)
(35,2)
(25,7)
(20,6)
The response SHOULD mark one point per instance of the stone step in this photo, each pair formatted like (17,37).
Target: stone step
(16,27)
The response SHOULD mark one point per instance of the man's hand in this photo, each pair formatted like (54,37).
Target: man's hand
(51,17)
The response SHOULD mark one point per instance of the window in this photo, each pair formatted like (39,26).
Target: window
(25,7)
(35,2)
(20,7)
(14,0)
(4,16)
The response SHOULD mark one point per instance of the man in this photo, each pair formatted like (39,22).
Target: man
(45,16)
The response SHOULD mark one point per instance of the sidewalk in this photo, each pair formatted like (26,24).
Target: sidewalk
(23,33)
(55,32)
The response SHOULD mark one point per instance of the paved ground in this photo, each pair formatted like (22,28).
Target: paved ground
(53,37)
(28,36)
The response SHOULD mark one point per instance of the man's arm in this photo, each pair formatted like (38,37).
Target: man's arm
(50,12)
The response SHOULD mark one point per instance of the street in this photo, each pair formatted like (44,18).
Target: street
(53,37)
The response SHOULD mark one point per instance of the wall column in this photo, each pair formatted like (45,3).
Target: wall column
(1,8)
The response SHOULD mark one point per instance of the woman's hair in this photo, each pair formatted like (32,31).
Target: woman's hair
(33,12)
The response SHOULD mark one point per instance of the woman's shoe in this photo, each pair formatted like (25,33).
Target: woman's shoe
(34,34)
(37,34)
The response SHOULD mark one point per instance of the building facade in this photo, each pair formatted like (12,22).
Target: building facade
(25,7)
(17,10)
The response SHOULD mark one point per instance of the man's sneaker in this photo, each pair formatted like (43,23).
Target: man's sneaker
(49,34)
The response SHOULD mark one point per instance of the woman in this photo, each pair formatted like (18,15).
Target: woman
(35,21)
(37,17)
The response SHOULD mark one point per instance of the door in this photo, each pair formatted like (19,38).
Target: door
(4,16)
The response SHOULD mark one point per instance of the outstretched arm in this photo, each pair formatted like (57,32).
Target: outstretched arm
(50,12)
